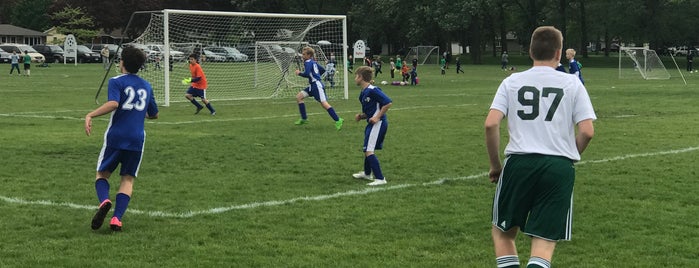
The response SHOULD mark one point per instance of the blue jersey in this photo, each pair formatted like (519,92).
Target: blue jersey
(136,100)
(312,71)
(574,68)
(372,99)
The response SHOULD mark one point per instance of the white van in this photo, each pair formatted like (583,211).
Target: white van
(21,48)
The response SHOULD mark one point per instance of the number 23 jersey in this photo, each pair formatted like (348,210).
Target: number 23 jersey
(126,124)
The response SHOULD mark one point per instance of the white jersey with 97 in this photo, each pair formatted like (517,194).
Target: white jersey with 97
(542,107)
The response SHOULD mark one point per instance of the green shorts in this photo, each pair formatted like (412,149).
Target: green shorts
(535,193)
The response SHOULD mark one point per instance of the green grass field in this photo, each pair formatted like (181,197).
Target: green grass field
(248,188)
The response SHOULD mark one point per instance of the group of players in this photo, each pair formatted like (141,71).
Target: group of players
(131,101)
(549,114)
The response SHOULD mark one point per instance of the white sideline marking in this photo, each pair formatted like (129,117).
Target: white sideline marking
(368,190)
(217,120)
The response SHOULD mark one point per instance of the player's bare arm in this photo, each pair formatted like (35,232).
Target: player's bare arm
(586,131)
(358,117)
(376,118)
(492,141)
(106,108)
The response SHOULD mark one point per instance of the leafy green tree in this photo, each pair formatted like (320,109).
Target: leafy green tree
(31,14)
(75,21)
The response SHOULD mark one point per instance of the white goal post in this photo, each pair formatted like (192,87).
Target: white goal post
(244,55)
(641,61)
(423,54)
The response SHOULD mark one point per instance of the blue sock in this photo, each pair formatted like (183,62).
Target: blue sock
(375,167)
(102,189)
(367,166)
(302,110)
(332,114)
(211,108)
(122,202)
(196,104)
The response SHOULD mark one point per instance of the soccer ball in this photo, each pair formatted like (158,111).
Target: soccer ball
(402,83)
(384,82)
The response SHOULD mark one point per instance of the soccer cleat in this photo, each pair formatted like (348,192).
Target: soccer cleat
(213,113)
(198,110)
(98,219)
(301,122)
(115,224)
(362,175)
(377,182)
(338,124)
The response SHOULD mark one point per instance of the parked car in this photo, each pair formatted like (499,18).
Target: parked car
(230,53)
(176,55)
(20,49)
(151,54)
(4,56)
(97,48)
(213,57)
(86,55)
(52,53)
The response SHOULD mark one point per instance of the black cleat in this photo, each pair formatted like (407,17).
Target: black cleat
(198,110)
(98,219)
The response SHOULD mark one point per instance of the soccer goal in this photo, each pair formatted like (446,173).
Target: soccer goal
(640,61)
(244,55)
(287,57)
(423,54)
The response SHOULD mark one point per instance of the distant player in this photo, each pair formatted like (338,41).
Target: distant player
(330,73)
(27,63)
(198,85)
(574,67)
(313,72)
(130,101)
(375,104)
(549,122)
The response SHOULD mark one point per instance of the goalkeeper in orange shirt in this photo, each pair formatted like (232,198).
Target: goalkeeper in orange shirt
(198,85)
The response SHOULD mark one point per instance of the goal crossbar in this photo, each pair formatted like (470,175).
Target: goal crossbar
(212,33)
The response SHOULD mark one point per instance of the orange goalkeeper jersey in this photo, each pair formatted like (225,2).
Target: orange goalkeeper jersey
(196,71)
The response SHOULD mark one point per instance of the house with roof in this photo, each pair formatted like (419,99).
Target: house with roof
(13,34)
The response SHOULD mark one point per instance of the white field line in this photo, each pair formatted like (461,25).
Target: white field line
(160,122)
(273,203)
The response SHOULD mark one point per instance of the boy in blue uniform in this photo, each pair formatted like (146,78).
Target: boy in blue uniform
(574,66)
(313,72)
(130,101)
(375,104)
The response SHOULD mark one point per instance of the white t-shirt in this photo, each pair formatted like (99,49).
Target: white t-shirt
(542,107)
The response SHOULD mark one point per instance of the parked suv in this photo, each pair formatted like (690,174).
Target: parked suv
(21,48)
(52,53)
(176,55)
(97,48)
(4,56)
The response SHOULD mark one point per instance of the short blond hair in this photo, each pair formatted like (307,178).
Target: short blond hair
(570,51)
(309,50)
(365,72)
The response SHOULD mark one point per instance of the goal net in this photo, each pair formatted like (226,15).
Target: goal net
(423,54)
(243,55)
(640,61)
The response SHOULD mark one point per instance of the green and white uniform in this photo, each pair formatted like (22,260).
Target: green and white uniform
(535,188)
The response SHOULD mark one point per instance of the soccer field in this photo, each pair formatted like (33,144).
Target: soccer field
(248,188)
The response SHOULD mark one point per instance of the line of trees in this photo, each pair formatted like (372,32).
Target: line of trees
(478,24)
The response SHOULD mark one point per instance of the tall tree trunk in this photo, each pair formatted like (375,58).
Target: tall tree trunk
(562,8)
(475,35)
(502,29)
(583,29)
